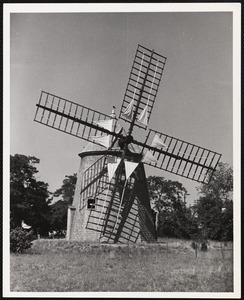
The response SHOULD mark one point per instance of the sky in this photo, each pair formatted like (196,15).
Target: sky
(87,58)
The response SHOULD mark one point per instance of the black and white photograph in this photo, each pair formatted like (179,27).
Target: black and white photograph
(121,150)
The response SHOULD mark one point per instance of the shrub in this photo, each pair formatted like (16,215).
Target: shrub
(20,240)
(204,246)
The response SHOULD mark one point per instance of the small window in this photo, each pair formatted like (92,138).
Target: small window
(91,203)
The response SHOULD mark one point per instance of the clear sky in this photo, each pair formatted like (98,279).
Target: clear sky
(87,58)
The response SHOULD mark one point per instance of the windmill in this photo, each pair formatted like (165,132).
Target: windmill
(111,202)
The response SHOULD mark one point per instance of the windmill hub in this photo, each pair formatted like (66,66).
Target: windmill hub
(124,141)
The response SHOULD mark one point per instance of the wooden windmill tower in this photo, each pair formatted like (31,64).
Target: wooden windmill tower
(111,202)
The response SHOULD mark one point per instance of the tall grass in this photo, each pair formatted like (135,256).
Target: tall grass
(152,268)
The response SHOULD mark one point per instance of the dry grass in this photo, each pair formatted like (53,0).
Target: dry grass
(59,266)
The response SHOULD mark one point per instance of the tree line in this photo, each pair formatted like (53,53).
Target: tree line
(211,216)
(32,203)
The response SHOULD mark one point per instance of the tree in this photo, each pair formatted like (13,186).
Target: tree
(29,198)
(59,208)
(59,217)
(215,205)
(67,189)
(168,198)
(221,184)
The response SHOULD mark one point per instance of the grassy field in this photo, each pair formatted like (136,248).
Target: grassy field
(59,266)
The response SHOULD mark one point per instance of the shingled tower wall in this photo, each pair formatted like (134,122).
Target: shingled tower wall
(77,215)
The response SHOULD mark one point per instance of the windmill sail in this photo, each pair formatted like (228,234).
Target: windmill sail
(179,157)
(95,176)
(142,88)
(74,119)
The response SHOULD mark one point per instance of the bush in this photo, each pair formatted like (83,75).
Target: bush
(20,240)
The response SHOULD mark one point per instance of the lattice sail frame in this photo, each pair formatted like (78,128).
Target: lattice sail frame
(70,117)
(180,157)
(143,84)
(94,180)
